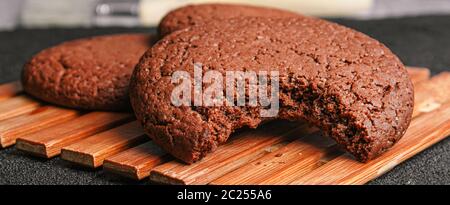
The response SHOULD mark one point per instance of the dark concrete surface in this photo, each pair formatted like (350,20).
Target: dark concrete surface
(418,41)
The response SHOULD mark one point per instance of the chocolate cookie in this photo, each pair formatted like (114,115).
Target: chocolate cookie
(91,73)
(191,15)
(346,83)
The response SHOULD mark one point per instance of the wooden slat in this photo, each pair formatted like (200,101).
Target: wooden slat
(422,75)
(39,119)
(16,106)
(239,177)
(93,150)
(10,89)
(136,162)
(273,173)
(266,171)
(309,150)
(304,165)
(149,155)
(239,151)
(48,143)
(418,74)
(431,94)
(122,164)
(423,132)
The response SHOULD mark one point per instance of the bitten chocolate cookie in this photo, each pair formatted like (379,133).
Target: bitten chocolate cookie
(191,15)
(91,73)
(346,83)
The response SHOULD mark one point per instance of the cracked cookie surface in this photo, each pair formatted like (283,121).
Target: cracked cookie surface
(192,15)
(91,73)
(346,83)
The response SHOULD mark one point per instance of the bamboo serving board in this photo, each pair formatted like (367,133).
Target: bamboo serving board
(278,152)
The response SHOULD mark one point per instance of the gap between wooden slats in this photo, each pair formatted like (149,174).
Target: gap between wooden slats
(16,106)
(136,163)
(266,171)
(423,132)
(93,150)
(233,154)
(417,74)
(39,119)
(48,142)
(270,133)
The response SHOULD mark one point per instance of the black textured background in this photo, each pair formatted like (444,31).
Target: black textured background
(418,41)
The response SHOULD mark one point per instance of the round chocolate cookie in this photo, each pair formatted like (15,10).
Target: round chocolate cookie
(346,83)
(91,73)
(191,15)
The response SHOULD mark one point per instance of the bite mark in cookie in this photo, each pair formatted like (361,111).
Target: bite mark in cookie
(346,83)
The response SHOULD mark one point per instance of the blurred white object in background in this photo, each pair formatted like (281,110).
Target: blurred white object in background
(116,12)
(401,8)
(82,13)
(45,13)
(151,11)
(9,13)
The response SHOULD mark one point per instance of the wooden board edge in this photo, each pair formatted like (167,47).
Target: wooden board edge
(122,170)
(83,159)
(31,148)
(161,178)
